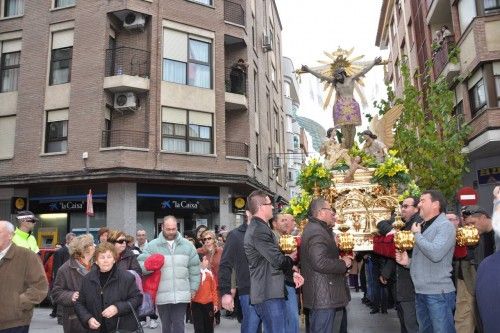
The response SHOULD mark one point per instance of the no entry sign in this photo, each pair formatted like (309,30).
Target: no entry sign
(467,196)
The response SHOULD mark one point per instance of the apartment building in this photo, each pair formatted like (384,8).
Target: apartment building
(296,151)
(472,26)
(142,102)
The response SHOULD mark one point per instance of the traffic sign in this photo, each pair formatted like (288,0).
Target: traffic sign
(467,196)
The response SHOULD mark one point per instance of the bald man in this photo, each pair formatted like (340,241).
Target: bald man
(24,283)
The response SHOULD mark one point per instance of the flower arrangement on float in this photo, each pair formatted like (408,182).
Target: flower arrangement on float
(392,171)
(313,175)
(299,206)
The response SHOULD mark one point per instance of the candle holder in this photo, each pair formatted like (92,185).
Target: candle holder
(404,240)
(288,244)
(467,236)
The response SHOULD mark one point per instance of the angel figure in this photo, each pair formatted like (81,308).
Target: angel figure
(343,76)
(374,147)
(333,151)
(355,165)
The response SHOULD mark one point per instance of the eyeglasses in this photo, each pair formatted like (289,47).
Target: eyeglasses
(406,206)
(120,241)
(208,238)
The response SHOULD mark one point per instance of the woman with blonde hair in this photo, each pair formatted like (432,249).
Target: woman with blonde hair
(213,252)
(126,260)
(65,291)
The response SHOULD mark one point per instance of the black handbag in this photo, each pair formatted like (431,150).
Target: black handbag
(139,326)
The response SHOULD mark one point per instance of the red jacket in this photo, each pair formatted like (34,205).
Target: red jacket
(207,292)
(384,245)
(151,282)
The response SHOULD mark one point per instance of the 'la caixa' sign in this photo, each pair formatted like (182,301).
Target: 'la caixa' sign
(180,204)
(65,206)
(488,175)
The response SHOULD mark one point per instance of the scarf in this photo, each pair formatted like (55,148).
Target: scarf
(204,272)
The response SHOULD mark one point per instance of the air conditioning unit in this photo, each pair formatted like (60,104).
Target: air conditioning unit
(277,163)
(267,42)
(134,21)
(126,101)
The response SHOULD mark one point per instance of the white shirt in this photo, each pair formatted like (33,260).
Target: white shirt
(171,244)
(4,252)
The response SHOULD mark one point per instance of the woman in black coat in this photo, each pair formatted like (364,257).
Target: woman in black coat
(126,259)
(107,294)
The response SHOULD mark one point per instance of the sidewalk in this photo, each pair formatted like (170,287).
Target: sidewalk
(360,321)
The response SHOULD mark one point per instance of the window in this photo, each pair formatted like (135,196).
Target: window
(9,71)
(458,112)
(13,8)
(257,149)
(190,65)
(256,90)
(466,13)
(491,4)
(56,131)
(276,127)
(7,136)
(187,131)
(60,66)
(63,3)
(205,2)
(477,97)
(273,74)
(254,36)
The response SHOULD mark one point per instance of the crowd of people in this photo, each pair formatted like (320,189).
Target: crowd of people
(123,284)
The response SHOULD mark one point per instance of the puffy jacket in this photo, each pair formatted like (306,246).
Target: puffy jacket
(128,261)
(68,280)
(120,290)
(324,273)
(266,262)
(151,282)
(180,275)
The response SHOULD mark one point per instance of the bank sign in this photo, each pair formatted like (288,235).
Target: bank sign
(66,206)
(179,204)
(488,175)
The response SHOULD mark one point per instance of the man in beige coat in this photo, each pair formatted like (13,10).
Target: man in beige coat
(23,283)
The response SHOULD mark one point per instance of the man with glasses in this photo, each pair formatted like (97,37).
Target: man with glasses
(267,265)
(325,288)
(25,224)
(466,317)
(405,291)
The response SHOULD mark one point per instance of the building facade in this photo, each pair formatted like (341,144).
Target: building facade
(143,102)
(462,37)
(295,148)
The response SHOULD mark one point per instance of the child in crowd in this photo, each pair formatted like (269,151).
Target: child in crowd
(206,301)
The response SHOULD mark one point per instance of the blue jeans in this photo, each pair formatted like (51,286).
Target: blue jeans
(271,312)
(292,311)
(322,320)
(435,312)
(251,321)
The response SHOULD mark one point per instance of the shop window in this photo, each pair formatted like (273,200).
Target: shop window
(477,96)
(60,65)
(13,8)
(187,131)
(56,131)
(190,65)
(63,3)
(9,71)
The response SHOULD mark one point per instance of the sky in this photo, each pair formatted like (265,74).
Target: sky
(313,26)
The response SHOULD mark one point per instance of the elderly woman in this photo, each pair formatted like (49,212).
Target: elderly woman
(69,280)
(127,260)
(108,295)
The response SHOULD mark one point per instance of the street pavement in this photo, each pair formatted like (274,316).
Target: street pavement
(359,321)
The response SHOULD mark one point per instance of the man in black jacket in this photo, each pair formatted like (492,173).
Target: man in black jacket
(405,291)
(267,265)
(325,288)
(60,257)
(234,258)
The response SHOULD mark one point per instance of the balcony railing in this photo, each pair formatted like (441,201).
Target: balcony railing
(234,13)
(124,138)
(235,80)
(127,61)
(237,149)
(441,54)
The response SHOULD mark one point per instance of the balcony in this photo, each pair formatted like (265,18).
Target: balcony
(236,88)
(234,13)
(444,58)
(124,139)
(127,69)
(237,149)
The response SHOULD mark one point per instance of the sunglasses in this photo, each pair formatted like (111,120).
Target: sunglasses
(406,206)
(208,238)
(120,241)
